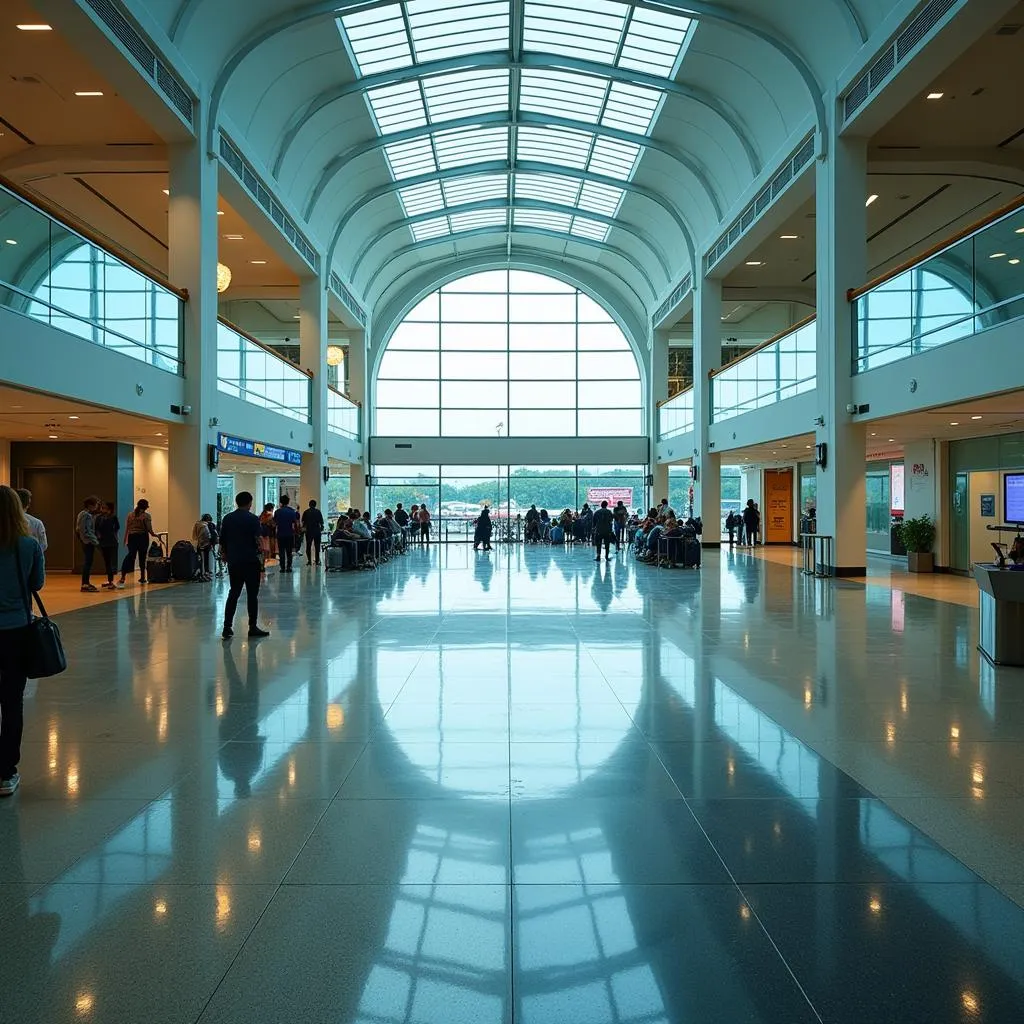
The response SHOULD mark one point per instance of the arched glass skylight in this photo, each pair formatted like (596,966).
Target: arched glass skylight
(536,98)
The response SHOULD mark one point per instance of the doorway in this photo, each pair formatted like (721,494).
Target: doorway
(53,501)
(777,524)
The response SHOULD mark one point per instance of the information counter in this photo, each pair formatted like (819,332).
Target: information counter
(1001,608)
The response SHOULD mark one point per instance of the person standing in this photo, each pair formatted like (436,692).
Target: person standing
(35,526)
(241,547)
(202,540)
(85,530)
(424,516)
(138,528)
(286,519)
(621,514)
(604,531)
(108,529)
(414,522)
(21,574)
(750,522)
(730,525)
(313,527)
(482,533)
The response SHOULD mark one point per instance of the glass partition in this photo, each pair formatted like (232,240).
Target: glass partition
(55,276)
(676,415)
(973,284)
(247,370)
(342,414)
(780,370)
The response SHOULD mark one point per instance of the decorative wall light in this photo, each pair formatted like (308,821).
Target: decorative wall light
(335,355)
(223,277)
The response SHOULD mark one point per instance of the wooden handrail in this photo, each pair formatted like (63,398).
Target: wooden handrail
(259,344)
(665,401)
(1004,211)
(764,344)
(72,223)
(341,394)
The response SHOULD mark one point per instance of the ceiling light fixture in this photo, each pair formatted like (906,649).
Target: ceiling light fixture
(35,28)
(235,238)
(871,199)
(158,434)
(976,417)
(335,355)
(10,241)
(1019,231)
(997,255)
(88,92)
(258,263)
(954,423)
(220,213)
(789,238)
(755,263)
(1014,262)
(73,417)
(53,437)
(166,191)
(892,440)
(223,278)
(936,95)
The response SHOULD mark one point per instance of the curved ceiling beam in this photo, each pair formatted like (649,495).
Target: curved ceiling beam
(503,204)
(705,9)
(612,250)
(504,120)
(503,167)
(500,60)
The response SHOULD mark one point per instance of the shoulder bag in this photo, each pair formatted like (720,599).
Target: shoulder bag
(42,650)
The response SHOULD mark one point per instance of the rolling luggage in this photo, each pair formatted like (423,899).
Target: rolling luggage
(334,559)
(184,562)
(557,536)
(690,549)
(158,570)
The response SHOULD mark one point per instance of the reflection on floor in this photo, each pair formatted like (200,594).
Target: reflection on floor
(520,787)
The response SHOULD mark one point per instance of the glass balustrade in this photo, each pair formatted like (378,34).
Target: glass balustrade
(342,414)
(676,415)
(972,284)
(781,369)
(247,370)
(54,275)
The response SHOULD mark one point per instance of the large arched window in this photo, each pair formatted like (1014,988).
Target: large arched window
(508,353)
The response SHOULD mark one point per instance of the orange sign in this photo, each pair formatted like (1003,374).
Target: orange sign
(778,506)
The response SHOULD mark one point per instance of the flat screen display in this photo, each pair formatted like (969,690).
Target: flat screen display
(1013,497)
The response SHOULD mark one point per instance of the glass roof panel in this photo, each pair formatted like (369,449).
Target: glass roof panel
(475,188)
(555,146)
(599,198)
(549,187)
(543,219)
(450,28)
(430,229)
(654,41)
(377,39)
(591,29)
(407,159)
(397,107)
(589,229)
(465,92)
(470,146)
(613,158)
(631,107)
(421,198)
(478,219)
(564,94)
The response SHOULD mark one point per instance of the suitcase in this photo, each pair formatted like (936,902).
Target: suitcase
(158,570)
(184,562)
(557,536)
(691,553)
(334,559)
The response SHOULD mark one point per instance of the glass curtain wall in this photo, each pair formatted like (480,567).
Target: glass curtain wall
(508,353)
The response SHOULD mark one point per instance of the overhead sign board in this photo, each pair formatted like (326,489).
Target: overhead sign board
(595,495)
(258,450)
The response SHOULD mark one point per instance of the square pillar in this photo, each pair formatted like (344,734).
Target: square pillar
(707,356)
(313,357)
(658,392)
(841,229)
(359,392)
(192,264)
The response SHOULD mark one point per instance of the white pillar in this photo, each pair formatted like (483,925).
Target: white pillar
(313,357)
(659,488)
(841,226)
(359,391)
(192,263)
(707,356)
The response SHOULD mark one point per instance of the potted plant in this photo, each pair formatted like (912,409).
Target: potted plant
(918,536)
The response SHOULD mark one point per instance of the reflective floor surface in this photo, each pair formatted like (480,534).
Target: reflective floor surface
(520,786)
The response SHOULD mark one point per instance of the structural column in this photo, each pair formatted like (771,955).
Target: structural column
(313,357)
(358,391)
(707,356)
(658,392)
(841,192)
(192,264)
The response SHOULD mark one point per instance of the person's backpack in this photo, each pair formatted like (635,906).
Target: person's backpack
(184,561)
(155,550)
(214,534)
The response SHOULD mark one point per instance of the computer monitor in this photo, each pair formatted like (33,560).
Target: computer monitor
(1013,497)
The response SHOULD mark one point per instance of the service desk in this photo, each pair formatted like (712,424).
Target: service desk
(1001,607)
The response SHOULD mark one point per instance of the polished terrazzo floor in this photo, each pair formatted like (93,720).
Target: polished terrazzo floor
(520,787)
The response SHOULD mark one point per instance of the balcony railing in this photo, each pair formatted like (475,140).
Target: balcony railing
(966,285)
(779,369)
(676,415)
(342,414)
(249,370)
(72,282)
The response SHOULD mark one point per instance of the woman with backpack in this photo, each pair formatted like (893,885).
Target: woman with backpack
(137,530)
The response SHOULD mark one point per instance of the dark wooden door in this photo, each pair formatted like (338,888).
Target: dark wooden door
(53,501)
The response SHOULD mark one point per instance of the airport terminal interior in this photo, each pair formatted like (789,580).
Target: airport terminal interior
(752,270)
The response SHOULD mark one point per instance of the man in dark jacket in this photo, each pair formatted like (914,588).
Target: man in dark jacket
(312,527)
(286,519)
(751,522)
(604,530)
(240,547)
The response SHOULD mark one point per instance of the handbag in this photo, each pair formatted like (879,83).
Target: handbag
(42,650)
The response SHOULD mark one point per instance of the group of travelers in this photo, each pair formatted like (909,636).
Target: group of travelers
(569,527)
(744,527)
(98,528)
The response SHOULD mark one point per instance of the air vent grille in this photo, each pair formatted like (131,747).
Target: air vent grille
(781,181)
(345,294)
(915,31)
(132,40)
(254,186)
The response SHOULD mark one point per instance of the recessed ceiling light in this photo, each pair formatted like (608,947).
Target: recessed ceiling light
(1014,262)
(892,438)
(976,417)
(258,263)
(936,95)
(874,435)
(997,255)
(297,317)
(72,417)
(53,437)
(807,446)
(220,213)
(158,434)
(38,27)
(755,263)
(954,423)
(235,238)
(788,238)
(1019,231)
(166,191)
(10,241)
(871,199)
(88,92)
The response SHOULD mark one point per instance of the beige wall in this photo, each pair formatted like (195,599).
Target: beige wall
(981,539)
(151,483)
